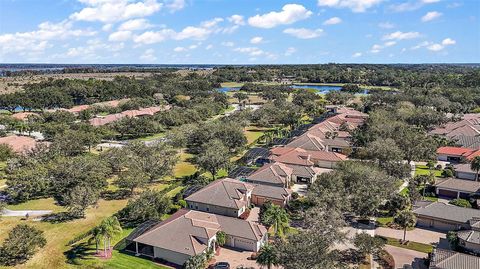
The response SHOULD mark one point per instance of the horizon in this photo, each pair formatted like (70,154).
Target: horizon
(243,32)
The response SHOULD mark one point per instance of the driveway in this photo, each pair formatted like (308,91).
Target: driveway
(403,256)
(301,189)
(236,258)
(254,215)
(417,235)
(23,213)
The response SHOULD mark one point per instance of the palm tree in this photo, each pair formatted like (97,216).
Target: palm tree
(475,166)
(267,256)
(276,216)
(107,229)
(406,219)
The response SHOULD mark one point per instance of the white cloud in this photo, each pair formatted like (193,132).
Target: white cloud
(211,23)
(389,43)
(357,54)
(448,41)
(107,27)
(290,13)
(112,11)
(333,20)
(120,36)
(38,40)
(148,55)
(386,25)
(176,5)
(411,5)
(180,49)
(208,47)
(401,35)
(290,51)
(420,45)
(377,48)
(431,16)
(151,37)
(236,19)
(303,33)
(256,40)
(135,24)
(192,32)
(227,44)
(354,5)
(252,51)
(435,47)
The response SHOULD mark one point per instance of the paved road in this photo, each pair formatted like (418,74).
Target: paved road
(403,256)
(22,213)
(417,235)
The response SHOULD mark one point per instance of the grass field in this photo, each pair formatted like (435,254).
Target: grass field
(423,170)
(58,234)
(253,133)
(411,245)
(151,137)
(185,166)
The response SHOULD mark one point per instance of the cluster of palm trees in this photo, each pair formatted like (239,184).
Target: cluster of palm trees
(108,228)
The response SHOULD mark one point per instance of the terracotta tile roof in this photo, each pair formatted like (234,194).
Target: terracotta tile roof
(127,113)
(229,193)
(304,157)
(19,144)
(454,151)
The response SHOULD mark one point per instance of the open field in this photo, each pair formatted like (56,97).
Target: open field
(423,170)
(58,234)
(185,166)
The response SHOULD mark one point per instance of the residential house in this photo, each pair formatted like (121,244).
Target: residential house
(448,259)
(463,171)
(228,197)
(470,239)
(188,233)
(456,188)
(273,174)
(149,111)
(456,154)
(276,195)
(465,133)
(441,216)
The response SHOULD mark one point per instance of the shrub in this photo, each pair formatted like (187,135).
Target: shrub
(295,195)
(182,203)
(447,173)
(460,202)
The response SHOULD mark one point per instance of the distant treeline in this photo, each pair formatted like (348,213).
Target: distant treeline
(365,74)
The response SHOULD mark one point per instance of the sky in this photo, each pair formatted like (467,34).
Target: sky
(239,31)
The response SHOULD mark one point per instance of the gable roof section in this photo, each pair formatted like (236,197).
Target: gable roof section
(307,141)
(277,193)
(273,173)
(467,153)
(186,230)
(447,259)
(301,156)
(468,186)
(447,212)
(223,192)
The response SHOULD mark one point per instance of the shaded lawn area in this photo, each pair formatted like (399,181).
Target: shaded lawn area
(383,221)
(185,166)
(83,255)
(59,234)
(411,245)
(152,137)
(423,170)
(39,204)
(253,133)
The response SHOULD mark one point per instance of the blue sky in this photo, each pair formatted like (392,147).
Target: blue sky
(239,31)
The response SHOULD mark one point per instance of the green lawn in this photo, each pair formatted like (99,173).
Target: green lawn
(38,204)
(411,245)
(151,137)
(383,221)
(423,170)
(184,167)
(253,134)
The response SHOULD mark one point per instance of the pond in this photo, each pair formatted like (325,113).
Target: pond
(317,88)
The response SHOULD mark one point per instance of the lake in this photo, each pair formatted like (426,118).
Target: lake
(318,88)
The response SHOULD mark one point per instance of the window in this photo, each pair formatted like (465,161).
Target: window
(196,207)
(208,209)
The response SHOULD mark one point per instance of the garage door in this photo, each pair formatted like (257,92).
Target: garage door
(444,226)
(245,244)
(447,193)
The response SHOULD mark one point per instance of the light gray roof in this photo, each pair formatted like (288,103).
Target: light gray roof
(226,192)
(277,193)
(185,231)
(470,236)
(464,168)
(447,259)
(472,142)
(447,212)
(308,142)
(467,186)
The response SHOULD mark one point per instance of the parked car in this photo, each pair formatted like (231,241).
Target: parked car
(221,265)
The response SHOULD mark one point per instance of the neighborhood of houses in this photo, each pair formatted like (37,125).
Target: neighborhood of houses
(231,204)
